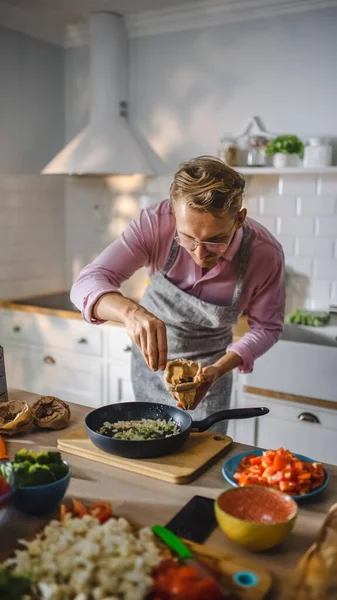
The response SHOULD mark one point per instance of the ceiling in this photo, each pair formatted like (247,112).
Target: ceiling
(49,19)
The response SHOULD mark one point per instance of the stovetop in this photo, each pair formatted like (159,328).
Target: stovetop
(59,301)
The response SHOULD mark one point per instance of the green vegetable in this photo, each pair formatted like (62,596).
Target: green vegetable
(285,144)
(24,455)
(12,586)
(310,318)
(38,469)
(59,470)
(40,475)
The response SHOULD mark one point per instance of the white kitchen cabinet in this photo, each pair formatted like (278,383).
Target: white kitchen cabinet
(119,386)
(49,372)
(301,428)
(36,329)
(69,358)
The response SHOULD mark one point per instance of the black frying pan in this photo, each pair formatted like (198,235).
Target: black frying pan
(131,411)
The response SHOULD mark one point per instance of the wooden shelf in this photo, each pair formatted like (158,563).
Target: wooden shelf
(287,171)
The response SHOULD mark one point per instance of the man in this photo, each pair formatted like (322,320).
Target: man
(208,264)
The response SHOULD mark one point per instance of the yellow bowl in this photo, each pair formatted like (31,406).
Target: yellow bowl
(256,517)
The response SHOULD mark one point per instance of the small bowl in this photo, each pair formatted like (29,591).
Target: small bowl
(40,499)
(6,499)
(256,517)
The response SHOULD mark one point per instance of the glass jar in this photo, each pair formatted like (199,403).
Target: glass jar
(227,151)
(256,152)
(317,153)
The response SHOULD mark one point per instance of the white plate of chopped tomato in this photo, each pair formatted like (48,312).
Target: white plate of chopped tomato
(294,474)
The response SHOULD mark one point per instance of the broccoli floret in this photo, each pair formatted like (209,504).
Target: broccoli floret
(24,455)
(59,470)
(13,586)
(42,458)
(39,475)
(55,457)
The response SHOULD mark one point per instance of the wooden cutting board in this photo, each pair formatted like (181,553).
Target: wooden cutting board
(228,567)
(194,457)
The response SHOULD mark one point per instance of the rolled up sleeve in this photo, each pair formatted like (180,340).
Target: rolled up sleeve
(265,316)
(113,266)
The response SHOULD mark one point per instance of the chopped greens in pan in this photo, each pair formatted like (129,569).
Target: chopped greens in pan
(142,429)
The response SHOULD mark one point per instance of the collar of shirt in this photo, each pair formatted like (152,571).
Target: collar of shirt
(233,247)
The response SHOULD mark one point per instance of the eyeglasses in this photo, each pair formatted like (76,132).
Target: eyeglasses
(212,247)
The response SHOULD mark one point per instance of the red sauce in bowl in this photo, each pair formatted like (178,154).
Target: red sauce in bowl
(257,504)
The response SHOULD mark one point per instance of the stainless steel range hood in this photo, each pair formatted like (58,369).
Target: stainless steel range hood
(108,145)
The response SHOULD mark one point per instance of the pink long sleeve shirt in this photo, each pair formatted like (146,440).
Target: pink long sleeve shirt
(147,242)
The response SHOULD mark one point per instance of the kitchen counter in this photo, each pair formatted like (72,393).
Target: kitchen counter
(59,305)
(92,480)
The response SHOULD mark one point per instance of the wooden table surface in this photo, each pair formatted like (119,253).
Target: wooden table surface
(158,501)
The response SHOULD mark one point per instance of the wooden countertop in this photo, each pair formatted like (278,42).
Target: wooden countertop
(46,308)
(160,501)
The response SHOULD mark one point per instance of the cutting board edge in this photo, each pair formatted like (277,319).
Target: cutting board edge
(154,474)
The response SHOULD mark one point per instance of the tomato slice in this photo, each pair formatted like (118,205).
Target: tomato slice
(78,509)
(256,460)
(207,589)
(101,510)
(280,462)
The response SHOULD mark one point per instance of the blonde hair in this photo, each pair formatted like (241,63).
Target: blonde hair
(207,184)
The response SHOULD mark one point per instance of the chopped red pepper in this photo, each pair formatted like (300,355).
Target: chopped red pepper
(281,470)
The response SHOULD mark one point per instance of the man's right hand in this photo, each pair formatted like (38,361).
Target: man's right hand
(149,333)
(145,330)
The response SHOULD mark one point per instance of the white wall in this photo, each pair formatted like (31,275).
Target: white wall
(32,254)
(187,88)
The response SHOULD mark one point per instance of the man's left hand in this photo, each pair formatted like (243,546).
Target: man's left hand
(207,377)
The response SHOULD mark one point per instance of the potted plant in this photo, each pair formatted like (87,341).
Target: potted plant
(286,150)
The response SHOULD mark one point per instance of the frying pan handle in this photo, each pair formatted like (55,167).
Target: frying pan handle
(230,413)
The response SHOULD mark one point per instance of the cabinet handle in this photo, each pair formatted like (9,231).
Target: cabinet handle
(16,328)
(128,348)
(309,417)
(49,360)
(83,341)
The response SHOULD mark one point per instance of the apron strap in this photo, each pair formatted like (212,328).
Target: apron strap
(244,257)
(172,257)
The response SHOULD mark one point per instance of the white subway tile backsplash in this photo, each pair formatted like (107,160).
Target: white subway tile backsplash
(326,226)
(252,203)
(313,247)
(334,292)
(259,184)
(32,244)
(268,222)
(298,185)
(276,205)
(327,184)
(295,225)
(317,205)
(320,290)
(300,265)
(325,269)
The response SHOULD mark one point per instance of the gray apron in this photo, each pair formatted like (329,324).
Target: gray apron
(196,330)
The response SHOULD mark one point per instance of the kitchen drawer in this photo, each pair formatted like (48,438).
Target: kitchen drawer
(282,427)
(293,411)
(119,383)
(48,331)
(118,344)
(74,379)
(312,440)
